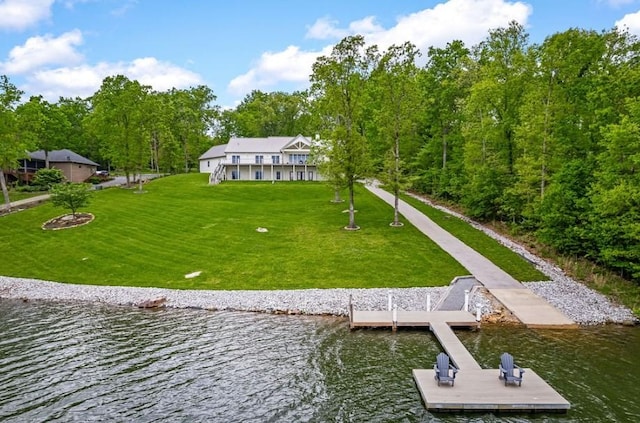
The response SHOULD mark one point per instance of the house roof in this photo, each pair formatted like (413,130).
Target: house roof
(262,145)
(214,152)
(62,156)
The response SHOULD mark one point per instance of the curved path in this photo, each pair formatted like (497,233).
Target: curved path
(528,307)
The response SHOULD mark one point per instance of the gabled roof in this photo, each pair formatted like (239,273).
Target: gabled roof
(298,143)
(262,145)
(62,156)
(214,152)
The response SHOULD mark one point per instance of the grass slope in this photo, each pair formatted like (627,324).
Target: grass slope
(182,225)
(501,256)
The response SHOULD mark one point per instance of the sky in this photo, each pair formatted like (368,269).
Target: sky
(66,48)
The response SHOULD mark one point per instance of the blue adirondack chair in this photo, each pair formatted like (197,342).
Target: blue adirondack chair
(445,371)
(509,371)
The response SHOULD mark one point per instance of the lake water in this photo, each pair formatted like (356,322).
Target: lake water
(73,362)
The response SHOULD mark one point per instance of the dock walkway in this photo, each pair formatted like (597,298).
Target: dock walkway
(531,309)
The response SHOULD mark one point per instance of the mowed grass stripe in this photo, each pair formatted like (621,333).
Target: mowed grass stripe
(181,225)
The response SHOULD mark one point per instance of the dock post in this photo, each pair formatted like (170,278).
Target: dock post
(351,311)
(394,317)
(478,311)
(390,301)
(466,300)
(428,302)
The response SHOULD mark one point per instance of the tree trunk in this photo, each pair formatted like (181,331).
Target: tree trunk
(352,214)
(336,196)
(5,191)
(396,185)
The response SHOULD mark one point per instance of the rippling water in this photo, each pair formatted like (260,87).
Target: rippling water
(61,362)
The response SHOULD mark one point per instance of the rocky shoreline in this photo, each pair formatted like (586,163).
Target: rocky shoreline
(578,302)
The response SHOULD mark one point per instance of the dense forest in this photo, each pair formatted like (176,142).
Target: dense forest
(544,137)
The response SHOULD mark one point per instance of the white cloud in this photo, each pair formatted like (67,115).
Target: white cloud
(42,51)
(325,29)
(617,3)
(466,20)
(630,22)
(290,65)
(20,14)
(84,80)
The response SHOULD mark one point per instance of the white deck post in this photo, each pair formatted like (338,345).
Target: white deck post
(478,311)
(390,302)
(466,300)
(394,317)
(428,302)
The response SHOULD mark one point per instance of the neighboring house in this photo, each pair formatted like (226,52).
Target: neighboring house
(261,159)
(75,167)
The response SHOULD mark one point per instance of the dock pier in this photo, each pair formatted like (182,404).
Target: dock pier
(476,389)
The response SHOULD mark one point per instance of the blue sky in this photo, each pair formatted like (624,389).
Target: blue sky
(67,47)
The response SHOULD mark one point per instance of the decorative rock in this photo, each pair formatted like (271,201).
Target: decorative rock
(158,302)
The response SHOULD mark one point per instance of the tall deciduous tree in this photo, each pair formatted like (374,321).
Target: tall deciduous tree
(44,124)
(445,87)
(492,115)
(12,146)
(338,83)
(192,114)
(395,92)
(118,118)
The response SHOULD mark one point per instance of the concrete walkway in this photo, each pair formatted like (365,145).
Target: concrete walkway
(528,307)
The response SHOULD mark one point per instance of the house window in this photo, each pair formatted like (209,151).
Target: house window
(259,159)
(208,163)
(278,175)
(311,176)
(235,174)
(291,176)
(301,176)
(258,175)
(275,159)
(235,159)
(298,158)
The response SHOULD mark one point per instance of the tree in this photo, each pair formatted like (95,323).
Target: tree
(338,83)
(12,146)
(394,88)
(118,120)
(191,115)
(263,114)
(492,115)
(445,86)
(44,124)
(70,196)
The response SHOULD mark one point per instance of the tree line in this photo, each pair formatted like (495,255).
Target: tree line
(544,137)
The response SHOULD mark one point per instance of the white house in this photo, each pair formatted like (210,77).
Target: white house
(258,159)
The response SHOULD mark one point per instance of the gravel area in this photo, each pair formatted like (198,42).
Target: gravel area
(578,302)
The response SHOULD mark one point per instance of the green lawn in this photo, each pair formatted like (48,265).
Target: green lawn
(182,225)
(501,256)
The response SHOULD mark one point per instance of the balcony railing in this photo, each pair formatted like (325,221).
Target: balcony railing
(265,162)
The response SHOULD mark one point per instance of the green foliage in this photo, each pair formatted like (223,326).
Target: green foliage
(47,178)
(70,196)
(339,83)
(12,145)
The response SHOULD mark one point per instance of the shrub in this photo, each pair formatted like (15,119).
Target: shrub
(70,196)
(48,177)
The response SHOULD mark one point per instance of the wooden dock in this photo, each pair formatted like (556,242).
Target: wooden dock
(475,388)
